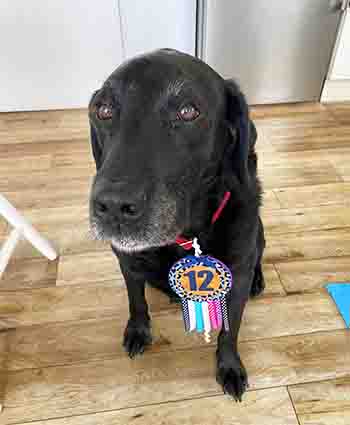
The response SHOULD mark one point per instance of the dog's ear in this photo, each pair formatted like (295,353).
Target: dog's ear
(96,148)
(239,127)
(95,145)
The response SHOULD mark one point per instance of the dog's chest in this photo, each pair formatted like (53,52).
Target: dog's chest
(155,265)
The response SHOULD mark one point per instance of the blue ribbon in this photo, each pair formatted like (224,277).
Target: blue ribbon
(199,317)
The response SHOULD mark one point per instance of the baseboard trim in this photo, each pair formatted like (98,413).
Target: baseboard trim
(336,91)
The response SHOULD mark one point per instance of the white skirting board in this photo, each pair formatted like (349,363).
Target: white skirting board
(336,91)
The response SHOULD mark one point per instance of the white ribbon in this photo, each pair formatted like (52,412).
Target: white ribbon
(192,315)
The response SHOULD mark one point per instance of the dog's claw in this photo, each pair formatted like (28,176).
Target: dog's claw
(136,338)
(233,379)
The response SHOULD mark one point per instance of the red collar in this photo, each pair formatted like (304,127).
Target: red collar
(187,243)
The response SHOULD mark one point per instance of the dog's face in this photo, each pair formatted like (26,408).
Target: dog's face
(159,129)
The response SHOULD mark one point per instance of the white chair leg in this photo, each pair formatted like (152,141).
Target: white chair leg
(8,248)
(26,229)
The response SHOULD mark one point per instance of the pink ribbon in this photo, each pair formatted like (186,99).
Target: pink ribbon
(218,312)
(212,314)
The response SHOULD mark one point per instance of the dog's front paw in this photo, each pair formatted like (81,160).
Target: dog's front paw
(232,376)
(136,337)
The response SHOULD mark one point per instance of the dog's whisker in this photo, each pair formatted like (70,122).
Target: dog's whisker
(95,232)
(90,234)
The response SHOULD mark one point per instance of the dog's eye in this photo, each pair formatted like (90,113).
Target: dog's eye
(188,113)
(104,112)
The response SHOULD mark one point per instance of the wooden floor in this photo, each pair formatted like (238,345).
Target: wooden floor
(61,323)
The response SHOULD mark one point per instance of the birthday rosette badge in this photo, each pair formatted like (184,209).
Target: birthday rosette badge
(202,283)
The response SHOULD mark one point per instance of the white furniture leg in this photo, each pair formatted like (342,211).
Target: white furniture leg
(8,248)
(24,228)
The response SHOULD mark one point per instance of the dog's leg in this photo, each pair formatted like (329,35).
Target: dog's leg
(258,284)
(137,334)
(231,373)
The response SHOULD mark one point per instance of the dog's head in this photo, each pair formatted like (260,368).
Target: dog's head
(161,127)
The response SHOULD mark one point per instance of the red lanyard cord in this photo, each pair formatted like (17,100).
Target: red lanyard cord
(187,244)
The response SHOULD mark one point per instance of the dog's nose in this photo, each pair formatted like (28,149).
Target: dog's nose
(122,207)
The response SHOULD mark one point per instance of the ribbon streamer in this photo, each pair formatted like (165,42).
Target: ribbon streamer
(206,317)
(212,315)
(186,315)
(199,316)
(218,313)
(225,315)
(192,315)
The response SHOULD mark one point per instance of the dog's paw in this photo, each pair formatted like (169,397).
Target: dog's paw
(136,338)
(258,285)
(232,376)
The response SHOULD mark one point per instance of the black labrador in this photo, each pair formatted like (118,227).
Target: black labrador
(170,137)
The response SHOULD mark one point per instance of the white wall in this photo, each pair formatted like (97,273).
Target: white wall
(54,53)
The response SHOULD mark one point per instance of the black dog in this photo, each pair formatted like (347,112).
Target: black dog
(170,137)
